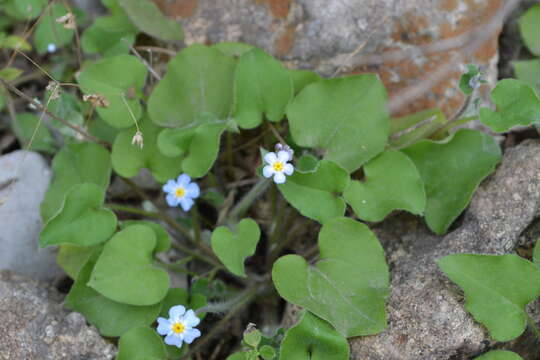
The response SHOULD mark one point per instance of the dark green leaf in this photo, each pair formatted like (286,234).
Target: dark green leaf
(109,36)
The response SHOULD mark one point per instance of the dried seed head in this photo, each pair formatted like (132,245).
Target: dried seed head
(284,147)
(138,140)
(54,88)
(97,100)
(68,21)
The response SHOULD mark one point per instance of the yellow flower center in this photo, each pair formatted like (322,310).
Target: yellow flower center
(278,166)
(178,328)
(180,192)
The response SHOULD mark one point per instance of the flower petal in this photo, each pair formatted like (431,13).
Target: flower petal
(174,340)
(164,326)
(191,335)
(268,171)
(270,158)
(279,178)
(190,319)
(193,191)
(169,186)
(183,180)
(288,169)
(172,200)
(186,203)
(284,156)
(176,312)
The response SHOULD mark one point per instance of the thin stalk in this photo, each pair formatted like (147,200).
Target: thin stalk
(246,202)
(132,210)
(174,267)
(196,223)
(449,125)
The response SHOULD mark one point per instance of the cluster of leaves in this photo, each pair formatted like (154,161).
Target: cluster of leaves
(350,152)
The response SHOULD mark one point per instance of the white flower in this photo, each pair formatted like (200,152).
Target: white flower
(278,165)
(179,327)
(51,48)
(181,192)
(138,139)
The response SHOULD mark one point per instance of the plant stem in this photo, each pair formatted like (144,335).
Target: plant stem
(132,210)
(244,204)
(196,223)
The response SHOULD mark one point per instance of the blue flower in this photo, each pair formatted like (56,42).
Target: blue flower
(51,48)
(179,327)
(181,192)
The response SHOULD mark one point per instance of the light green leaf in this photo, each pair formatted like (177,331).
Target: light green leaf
(313,339)
(120,80)
(199,80)
(499,355)
(306,163)
(232,248)
(124,271)
(10,73)
(302,78)
(24,128)
(347,117)
(128,159)
(267,352)
(75,164)
(162,236)
(528,71)
(72,258)
(237,356)
(349,284)
(16,43)
(529,25)
(110,317)
(253,338)
(392,183)
(517,104)
(24,9)
(67,107)
(147,17)
(141,343)
(497,289)
(82,219)
(423,124)
(451,170)
(262,87)
(313,194)
(109,36)
(48,31)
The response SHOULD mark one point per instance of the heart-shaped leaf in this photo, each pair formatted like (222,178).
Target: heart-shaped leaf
(23,9)
(347,117)
(528,71)
(199,80)
(109,35)
(163,240)
(233,248)
(313,339)
(141,343)
(302,78)
(110,317)
(349,284)
(82,219)
(24,127)
(72,258)
(120,80)
(499,355)
(48,31)
(392,182)
(128,160)
(262,87)
(451,170)
(314,193)
(76,163)
(517,104)
(529,25)
(124,271)
(497,289)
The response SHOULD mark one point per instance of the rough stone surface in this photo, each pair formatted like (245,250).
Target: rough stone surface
(427,319)
(399,39)
(24,178)
(34,325)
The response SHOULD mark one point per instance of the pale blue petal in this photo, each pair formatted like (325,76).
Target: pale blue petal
(283,156)
(183,180)
(169,186)
(174,340)
(172,200)
(164,326)
(193,191)
(191,335)
(279,178)
(288,169)
(190,319)
(176,312)
(268,171)
(186,203)
(270,158)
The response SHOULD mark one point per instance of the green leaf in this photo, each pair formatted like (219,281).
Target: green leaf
(199,80)
(162,236)
(410,129)
(82,219)
(262,87)
(124,271)
(451,170)
(536,255)
(349,284)
(313,194)
(233,49)
(141,343)
(517,104)
(529,25)
(48,31)
(110,317)
(10,73)
(473,71)
(497,289)
(67,107)
(302,78)
(306,163)
(103,130)
(16,43)
(253,338)
(313,339)
(109,36)
(528,71)
(24,9)
(24,128)
(179,296)
(499,355)
(75,164)
(147,17)
(120,80)
(347,117)
(237,356)
(128,159)
(72,258)
(233,248)
(392,183)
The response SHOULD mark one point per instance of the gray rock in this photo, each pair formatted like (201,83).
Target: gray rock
(427,319)
(24,178)
(34,325)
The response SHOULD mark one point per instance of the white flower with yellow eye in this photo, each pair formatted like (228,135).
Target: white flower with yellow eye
(278,165)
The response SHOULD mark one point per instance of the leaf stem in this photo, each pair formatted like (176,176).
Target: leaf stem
(132,210)
(246,202)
